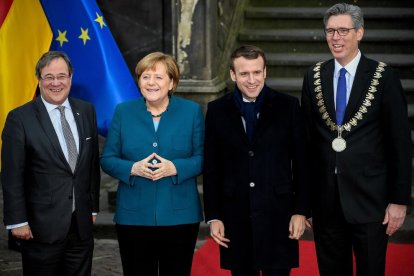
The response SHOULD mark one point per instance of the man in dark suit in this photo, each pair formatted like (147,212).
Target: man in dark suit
(50,174)
(361,150)
(256,193)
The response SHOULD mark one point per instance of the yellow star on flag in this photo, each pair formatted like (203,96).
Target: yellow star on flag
(62,37)
(84,36)
(100,20)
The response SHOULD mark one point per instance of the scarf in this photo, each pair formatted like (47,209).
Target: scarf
(249,110)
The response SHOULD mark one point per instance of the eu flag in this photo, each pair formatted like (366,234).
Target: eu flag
(101,75)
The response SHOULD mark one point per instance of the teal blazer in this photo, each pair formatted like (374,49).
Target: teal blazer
(132,137)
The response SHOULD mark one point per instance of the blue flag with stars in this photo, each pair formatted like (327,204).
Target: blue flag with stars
(101,75)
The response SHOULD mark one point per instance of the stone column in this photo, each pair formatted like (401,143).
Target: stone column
(195,47)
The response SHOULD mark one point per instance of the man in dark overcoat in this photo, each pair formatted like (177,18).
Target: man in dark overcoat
(256,191)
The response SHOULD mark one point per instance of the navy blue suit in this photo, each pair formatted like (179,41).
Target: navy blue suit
(38,186)
(38,181)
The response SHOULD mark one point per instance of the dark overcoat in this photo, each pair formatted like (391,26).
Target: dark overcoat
(255,188)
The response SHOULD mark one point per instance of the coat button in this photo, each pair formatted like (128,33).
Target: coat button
(251,153)
(154,144)
(252,184)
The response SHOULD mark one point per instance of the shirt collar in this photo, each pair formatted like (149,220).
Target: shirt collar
(350,67)
(50,107)
(247,101)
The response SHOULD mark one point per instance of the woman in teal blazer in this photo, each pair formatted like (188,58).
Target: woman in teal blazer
(155,148)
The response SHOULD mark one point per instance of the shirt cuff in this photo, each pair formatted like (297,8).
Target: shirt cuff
(9,227)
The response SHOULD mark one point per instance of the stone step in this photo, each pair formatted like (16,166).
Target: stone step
(306,59)
(318,12)
(294,65)
(285,46)
(328,3)
(313,40)
(315,35)
(311,17)
(317,23)
(294,85)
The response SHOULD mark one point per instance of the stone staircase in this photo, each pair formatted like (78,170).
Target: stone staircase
(292,36)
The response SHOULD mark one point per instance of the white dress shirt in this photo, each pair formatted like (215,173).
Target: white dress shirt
(350,75)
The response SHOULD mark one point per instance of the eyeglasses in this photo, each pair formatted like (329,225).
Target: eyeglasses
(51,78)
(340,31)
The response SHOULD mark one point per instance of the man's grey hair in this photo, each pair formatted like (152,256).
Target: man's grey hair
(342,8)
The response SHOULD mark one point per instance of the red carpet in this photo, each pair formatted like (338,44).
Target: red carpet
(400,260)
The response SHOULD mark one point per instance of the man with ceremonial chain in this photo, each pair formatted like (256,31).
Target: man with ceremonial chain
(360,142)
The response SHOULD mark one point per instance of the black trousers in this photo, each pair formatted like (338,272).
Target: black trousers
(157,250)
(70,257)
(337,240)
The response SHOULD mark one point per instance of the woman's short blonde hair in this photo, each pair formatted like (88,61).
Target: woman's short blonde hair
(150,61)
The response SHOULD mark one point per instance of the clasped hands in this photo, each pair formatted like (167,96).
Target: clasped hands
(153,171)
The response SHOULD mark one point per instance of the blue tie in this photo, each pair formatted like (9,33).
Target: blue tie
(341,97)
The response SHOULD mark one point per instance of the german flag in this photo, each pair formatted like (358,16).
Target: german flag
(25,35)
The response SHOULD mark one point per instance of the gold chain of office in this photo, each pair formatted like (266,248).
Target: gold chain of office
(362,109)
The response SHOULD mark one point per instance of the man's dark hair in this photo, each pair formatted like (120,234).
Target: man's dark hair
(248,52)
(47,58)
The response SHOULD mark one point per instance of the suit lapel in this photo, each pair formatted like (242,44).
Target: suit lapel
(359,89)
(327,73)
(167,119)
(47,126)
(235,119)
(78,115)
